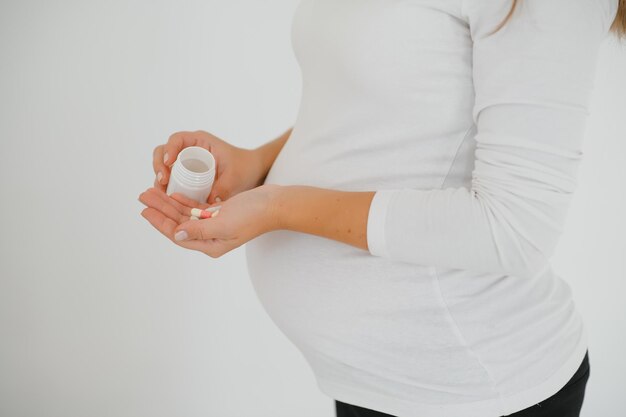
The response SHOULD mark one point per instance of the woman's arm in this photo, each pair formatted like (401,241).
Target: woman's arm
(532,81)
(268,152)
(337,215)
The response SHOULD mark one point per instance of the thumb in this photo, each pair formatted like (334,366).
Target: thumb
(220,191)
(204,229)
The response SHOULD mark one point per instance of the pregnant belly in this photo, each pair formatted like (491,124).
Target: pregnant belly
(358,309)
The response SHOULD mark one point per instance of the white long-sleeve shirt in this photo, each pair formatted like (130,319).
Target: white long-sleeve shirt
(472,143)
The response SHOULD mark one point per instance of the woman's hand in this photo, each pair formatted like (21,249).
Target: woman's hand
(237,169)
(241,218)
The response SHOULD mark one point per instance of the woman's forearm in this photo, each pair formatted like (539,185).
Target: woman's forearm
(336,215)
(268,152)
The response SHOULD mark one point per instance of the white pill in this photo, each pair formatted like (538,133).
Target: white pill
(194,218)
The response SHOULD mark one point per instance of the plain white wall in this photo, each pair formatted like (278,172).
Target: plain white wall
(100,315)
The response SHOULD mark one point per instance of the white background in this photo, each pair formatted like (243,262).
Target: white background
(100,315)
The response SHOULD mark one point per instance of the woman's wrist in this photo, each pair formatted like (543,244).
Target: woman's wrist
(266,154)
(256,161)
(264,160)
(334,214)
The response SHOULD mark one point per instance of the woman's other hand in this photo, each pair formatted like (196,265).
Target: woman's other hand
(237,169)
(241,218)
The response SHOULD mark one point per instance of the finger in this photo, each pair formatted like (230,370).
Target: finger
(221,190)
(199,230)
(183,208)
(214,247)
(180,140)
(161,172)
(167,226)
(188,202)
(158,186)
(151,199)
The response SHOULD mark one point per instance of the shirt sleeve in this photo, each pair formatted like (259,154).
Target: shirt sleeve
(532,82)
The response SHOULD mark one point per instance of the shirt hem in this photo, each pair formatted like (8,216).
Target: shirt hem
(493,407)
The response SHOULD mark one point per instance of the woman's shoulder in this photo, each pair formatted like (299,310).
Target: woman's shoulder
(548,16)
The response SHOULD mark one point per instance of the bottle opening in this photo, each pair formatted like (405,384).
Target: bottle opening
(195,165)
(194,168)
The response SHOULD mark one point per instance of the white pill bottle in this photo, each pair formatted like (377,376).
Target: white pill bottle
(192,174)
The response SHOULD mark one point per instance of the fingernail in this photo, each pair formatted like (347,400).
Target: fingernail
(218,199)
(180,235)
(165,158)
(159,176)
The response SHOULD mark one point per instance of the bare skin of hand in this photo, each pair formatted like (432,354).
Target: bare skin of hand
(237,169)
(241,218)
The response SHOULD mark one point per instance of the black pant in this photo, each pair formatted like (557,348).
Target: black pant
(565,403)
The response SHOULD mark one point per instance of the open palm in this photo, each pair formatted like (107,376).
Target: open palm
(241,218)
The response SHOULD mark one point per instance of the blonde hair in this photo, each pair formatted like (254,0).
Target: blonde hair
(618,27)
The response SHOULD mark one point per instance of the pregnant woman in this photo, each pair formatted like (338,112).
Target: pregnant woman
(400,234)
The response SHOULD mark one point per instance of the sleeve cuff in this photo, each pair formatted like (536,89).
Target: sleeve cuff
(376,220)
